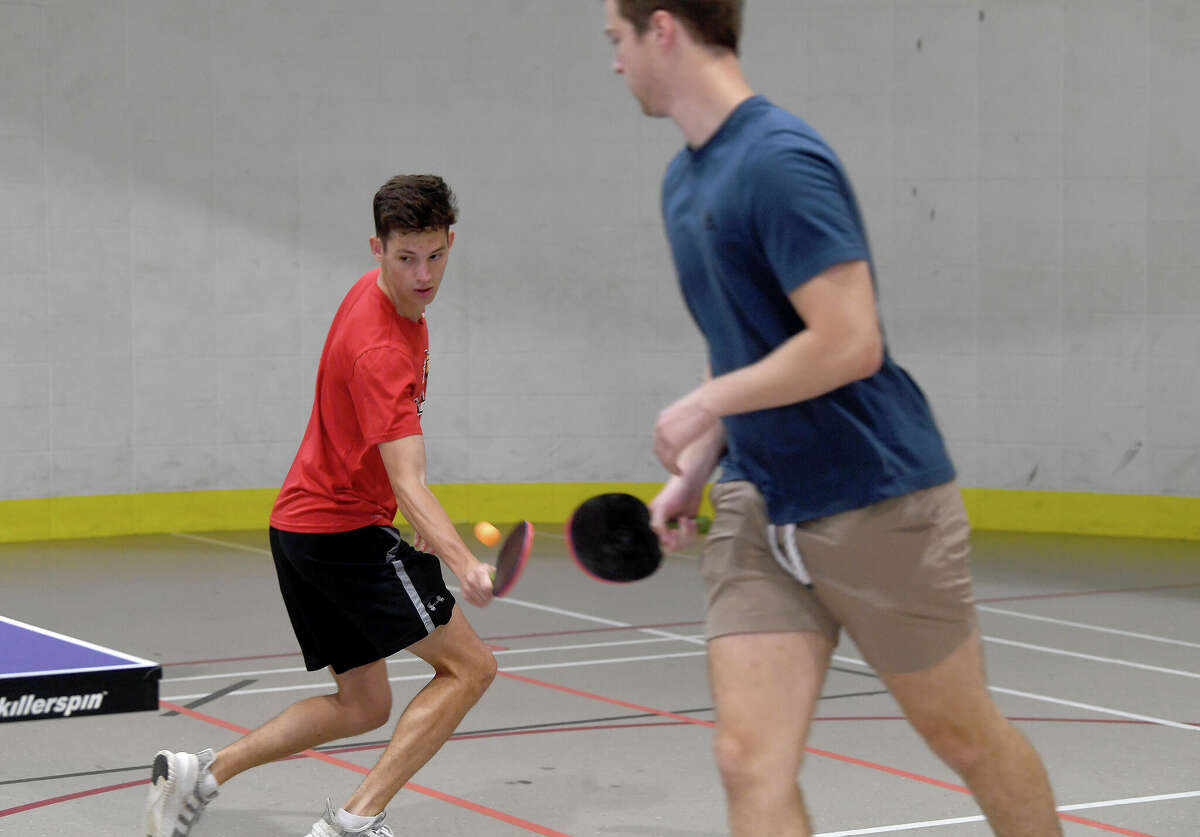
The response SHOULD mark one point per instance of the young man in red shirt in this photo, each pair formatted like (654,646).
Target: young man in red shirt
(355,591)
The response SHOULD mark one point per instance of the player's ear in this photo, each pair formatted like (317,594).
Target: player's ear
(449,239)
(662,26)
(376,248)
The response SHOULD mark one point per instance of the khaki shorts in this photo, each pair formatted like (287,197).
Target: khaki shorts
(895,575)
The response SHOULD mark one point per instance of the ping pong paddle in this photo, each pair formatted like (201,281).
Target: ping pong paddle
(610,538)
(510,561)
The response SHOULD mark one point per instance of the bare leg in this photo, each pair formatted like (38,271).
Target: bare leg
(362,703)
(766,687)
(949,705)
(463,669)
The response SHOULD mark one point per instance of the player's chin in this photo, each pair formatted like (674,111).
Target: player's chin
(651,110)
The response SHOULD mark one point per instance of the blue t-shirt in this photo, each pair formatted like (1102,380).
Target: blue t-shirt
(755,212)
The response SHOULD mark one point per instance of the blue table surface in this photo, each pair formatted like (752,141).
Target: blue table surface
(24,651)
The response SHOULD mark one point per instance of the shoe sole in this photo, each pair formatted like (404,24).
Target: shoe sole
(167,774)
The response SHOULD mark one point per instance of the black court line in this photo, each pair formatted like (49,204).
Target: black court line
(335,747)
(209,698)
(1103,592)
(604,719)
(343,747)
(690,623)
(516,730)
(26,780)
(521,728)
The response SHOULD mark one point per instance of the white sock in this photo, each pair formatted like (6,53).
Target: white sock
(207,786)
(353,822)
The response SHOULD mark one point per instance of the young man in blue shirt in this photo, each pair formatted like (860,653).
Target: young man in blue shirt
(836,506)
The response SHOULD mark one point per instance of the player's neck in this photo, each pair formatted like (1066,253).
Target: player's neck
(707,94)
(414,316)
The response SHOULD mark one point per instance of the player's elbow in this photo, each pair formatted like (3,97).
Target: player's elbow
(408,493)
(867,357)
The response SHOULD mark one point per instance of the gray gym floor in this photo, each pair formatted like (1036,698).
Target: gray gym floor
(598,724)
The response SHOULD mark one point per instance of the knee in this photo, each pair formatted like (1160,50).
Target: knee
(742,765)
(962,746)
(483,672)
(475,672)
(367,710)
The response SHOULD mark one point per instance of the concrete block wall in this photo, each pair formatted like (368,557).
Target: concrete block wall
(185,196)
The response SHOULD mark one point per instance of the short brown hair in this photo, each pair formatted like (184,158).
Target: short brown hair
(414,203)
(716,23)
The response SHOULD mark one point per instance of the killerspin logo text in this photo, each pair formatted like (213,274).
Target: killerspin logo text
(32,706)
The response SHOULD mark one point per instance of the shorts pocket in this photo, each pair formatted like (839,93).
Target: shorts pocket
(738,529)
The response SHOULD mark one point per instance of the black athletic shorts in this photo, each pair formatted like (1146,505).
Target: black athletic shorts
(359,596)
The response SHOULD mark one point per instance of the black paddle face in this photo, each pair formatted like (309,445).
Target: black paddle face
(512,557)
(609,536)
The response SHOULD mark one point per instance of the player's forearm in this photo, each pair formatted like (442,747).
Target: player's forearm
(700,458)
(806,366)
(426,515)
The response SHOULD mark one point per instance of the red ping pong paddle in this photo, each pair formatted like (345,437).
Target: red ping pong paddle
(510,561)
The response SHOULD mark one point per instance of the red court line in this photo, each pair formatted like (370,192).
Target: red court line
(960,789)
(231,659)
(593,696)
(582,728)
(354,749)
(1115,829)
(590,728)
(68,797)
(895,771)
(691,623)
(543,731)
(357,768)
(849,759)
(600,727)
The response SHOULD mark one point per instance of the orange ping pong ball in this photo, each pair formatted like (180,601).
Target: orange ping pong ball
(488,534)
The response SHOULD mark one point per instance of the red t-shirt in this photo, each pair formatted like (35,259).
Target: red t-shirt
(370,388)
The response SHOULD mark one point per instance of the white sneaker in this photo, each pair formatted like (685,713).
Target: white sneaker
(176,802)
(328,826)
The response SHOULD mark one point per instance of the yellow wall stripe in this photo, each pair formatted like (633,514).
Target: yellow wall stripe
(1076,513)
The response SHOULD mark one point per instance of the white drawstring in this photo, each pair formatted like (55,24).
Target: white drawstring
(792,563)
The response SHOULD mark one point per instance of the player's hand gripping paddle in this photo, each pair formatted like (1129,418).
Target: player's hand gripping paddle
(510,561)
(609,536)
